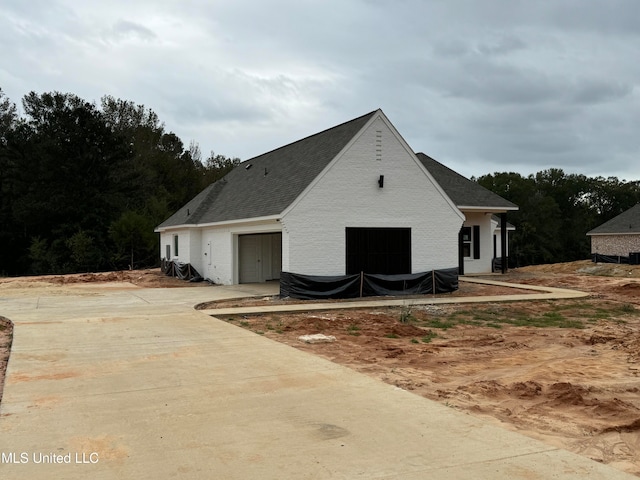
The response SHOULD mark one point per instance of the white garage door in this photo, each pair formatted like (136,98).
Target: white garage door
(260,257)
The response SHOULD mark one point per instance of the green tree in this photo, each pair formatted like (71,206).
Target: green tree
(216,167)
(81,252)
(82,186)
(557,210)
(68,167)
(8,229)
(134,238)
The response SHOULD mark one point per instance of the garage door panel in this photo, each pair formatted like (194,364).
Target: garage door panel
(259,257)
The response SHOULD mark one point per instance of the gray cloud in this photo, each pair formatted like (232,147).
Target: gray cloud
(124,29)
(483,86)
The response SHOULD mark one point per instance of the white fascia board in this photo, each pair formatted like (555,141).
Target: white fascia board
(254,220)
(489,209)
(612,234)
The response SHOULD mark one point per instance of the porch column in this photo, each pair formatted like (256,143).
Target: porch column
(460,253)
(503,240)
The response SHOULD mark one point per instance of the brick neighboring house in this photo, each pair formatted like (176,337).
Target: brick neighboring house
(619,237)
(351,198)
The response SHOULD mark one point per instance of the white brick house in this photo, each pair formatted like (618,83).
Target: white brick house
(351,198)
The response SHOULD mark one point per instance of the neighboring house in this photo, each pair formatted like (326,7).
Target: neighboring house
(349,199)
(481,236)
(619,237)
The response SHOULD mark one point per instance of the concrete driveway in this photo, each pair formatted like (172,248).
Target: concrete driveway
(111,384)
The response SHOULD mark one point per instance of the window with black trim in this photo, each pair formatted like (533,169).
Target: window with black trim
(175,245)
(466,242)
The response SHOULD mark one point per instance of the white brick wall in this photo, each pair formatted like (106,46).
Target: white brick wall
(213,250)
(483,264)
(188,246)
(217,244)
(220,244)
(347,195)
(166,238)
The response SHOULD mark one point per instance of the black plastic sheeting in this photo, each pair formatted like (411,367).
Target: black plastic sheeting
(599,258)
(446,280)
(310,287)
(183,271)
(400,284)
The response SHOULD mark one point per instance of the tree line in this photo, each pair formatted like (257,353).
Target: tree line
(82,185)
(557,210)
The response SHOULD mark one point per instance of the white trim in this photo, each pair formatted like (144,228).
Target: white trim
(611,234)
(489,209)
(250,220)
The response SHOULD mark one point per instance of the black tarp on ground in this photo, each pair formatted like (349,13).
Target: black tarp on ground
(599,258)
(446,280)
(401,284)
(183,271)
(309,287)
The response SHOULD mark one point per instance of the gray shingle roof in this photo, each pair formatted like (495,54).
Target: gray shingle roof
(462,191)
(627,222)
(267,184)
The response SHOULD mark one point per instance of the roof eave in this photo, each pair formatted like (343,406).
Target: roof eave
(591,234)
(252,220)
(488,209)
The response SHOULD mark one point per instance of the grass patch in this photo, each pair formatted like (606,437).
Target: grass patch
(353,329)
(551,315)
(440,323)
(429,336)
(628,309)
(391,335)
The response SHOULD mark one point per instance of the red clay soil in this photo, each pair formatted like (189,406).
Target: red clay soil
(6,336)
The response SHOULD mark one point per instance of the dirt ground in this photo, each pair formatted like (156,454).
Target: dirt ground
(566,372)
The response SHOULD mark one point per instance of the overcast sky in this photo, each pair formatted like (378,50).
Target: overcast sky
(480,85)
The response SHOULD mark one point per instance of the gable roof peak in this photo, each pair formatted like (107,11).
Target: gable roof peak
(280,175)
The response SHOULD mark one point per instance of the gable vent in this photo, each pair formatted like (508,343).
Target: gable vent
(379,145)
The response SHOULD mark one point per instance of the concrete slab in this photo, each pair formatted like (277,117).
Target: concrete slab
(143,386)
(547,293)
